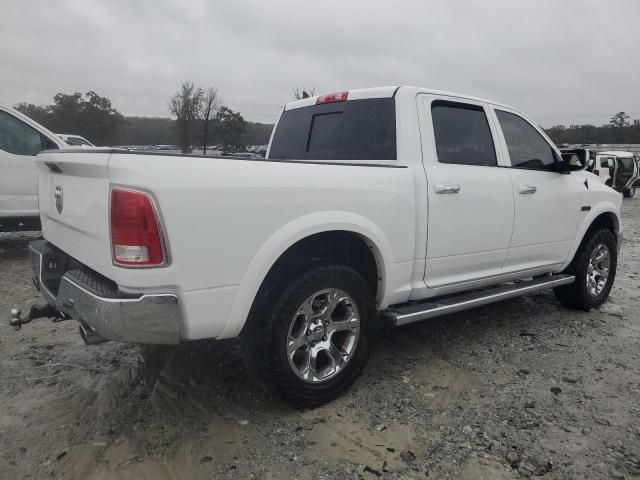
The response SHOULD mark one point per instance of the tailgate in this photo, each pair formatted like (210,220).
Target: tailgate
(73,192)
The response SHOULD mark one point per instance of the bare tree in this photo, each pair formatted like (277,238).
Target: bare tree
(300,93)
(209,105)
(185,105)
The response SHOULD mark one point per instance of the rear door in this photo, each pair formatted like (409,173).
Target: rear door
(625,172)
(603,171)
(547,203)
(19,145)
(470,200)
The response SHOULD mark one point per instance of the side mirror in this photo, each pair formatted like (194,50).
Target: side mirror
(573,159)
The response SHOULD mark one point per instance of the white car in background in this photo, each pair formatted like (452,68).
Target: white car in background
(617,169)
(21,139)
(75,140)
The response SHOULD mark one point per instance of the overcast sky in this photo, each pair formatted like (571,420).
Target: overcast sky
(560,61)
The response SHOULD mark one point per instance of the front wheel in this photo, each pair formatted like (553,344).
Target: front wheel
(629,192)
(594,267)
(317,335)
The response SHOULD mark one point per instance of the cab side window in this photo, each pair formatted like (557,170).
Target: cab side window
(527,148)
(462,134)
(19,138)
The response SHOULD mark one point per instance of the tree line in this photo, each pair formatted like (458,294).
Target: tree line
(164,131)
(620,129)
(200,119)
(89,115)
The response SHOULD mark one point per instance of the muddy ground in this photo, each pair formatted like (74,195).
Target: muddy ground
(516,389)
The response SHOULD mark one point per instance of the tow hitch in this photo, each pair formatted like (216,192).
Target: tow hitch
(35,312)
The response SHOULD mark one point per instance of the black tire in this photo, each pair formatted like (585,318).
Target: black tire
(270,357)
(629,192)
(577,294)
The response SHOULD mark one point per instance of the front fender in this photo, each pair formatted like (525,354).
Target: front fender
(604,207)
(286,237)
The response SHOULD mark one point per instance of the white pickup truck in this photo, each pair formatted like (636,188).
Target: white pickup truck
(393,203)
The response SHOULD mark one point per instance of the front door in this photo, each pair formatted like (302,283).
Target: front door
(547,203)
(470,203)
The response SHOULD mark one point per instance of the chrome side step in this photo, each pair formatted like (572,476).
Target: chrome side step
(403,315)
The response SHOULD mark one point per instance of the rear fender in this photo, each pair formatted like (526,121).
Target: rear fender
(287,236)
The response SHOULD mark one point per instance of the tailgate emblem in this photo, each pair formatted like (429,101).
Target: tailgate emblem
(58,196)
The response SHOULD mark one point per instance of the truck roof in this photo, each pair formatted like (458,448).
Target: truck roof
(390,91)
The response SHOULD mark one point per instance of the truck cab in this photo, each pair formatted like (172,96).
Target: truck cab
(21,139)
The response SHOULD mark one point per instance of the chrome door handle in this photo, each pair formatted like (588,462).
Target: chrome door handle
(524,189)
(446,188)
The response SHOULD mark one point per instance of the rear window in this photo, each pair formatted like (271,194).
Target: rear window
(351,130)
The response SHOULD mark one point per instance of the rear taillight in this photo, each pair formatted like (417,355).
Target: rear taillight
(136,237)
(332,97)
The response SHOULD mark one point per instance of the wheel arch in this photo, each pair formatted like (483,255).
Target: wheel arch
(321,225)
(605,216)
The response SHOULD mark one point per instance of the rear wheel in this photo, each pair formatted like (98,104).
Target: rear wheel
(594,267)
(629,192)
(317,335)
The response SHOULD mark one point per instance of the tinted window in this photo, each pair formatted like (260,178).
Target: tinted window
(527,148)
(625,170)
(19,138)
(326,132)
(351,130)
(626,164)
(462,134)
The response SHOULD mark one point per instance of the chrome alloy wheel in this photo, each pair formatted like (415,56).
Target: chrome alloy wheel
(598,269)
(323,335)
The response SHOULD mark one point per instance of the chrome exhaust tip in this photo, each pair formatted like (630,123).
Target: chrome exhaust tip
(89,336)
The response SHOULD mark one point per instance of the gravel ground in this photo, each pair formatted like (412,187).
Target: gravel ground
(517,389)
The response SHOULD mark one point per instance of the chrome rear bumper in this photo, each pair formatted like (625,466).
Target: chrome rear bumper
(96,301)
